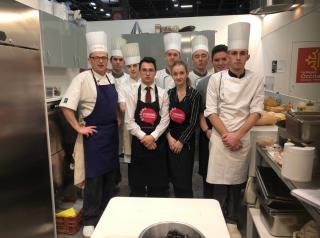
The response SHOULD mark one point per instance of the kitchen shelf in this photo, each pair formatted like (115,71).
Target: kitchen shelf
(262,158)
(260,227)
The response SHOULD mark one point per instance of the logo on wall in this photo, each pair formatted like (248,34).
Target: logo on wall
(308,68)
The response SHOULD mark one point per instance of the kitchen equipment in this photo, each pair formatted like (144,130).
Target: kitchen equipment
(62,138)
(281,213)
(52,92)
(187,28)
(282,222)
(303,125)
(26,200)
(297,163)
(272,190)
(171,229)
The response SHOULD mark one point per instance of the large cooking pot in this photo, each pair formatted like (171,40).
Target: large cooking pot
(172,230)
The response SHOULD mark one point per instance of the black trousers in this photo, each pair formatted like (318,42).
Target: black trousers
(181,169)
(97,193)
(145,190)
(229,197)
(207,188)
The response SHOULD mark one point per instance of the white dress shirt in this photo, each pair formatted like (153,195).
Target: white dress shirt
(126,88)
(131,104)
(82,93)
(233,99)
(164,80)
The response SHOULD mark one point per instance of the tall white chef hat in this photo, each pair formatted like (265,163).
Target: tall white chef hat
(199,43)
(131,53)
(238,35)
(172,41)
(116,44)
(97,41)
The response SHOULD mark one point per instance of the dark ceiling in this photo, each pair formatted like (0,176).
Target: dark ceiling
(101,10)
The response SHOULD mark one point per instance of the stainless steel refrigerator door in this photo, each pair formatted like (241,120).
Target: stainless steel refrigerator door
(25,187)
(21,24)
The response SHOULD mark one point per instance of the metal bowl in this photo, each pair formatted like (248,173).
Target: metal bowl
(162,229)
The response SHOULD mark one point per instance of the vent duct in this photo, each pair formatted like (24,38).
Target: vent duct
(260,7)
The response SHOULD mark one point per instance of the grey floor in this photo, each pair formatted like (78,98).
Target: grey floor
(124,191)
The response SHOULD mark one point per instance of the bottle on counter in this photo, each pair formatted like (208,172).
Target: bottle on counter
(277,98)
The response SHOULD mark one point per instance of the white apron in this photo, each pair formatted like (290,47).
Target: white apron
(126,145)
(226,166)
(78,156)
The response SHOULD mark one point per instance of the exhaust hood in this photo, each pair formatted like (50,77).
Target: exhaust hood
(260,7)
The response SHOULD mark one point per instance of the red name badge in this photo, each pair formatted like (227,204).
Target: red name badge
(177,115)
(148,115)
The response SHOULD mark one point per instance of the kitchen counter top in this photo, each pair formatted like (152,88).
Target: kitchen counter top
(127,217)
(263,157)
(258,133)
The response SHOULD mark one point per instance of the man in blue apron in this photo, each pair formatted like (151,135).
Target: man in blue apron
(95,97)
(234,103)
(147,118)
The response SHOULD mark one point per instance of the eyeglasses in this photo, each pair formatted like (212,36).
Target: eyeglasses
(147,70)
(97,58)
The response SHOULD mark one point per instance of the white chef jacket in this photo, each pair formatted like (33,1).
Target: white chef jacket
(131,104)
(119,81)
(126,88)
(164,80)
(195,78)
(233,99)
(82,93)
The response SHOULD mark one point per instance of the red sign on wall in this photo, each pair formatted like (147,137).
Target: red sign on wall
(308,68)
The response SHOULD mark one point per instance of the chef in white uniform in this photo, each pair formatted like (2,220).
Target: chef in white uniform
(93,94)
(234,103)
(131,54)
(117,61)
(172,47)
(200,58)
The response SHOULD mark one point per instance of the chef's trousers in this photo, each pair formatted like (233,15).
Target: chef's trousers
(229,197)
(97,193)
(207,189)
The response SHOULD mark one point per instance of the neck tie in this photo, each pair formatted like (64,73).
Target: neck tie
(148,95)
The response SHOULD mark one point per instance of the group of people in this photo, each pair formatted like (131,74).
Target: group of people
(152,117)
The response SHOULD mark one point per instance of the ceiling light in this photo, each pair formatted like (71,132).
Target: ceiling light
(294,6)
(92,3)
(176,5)
(94,7)
(186,6)
(101,10)
(108,14)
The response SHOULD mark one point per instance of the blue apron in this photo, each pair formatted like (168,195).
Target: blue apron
(101,148)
